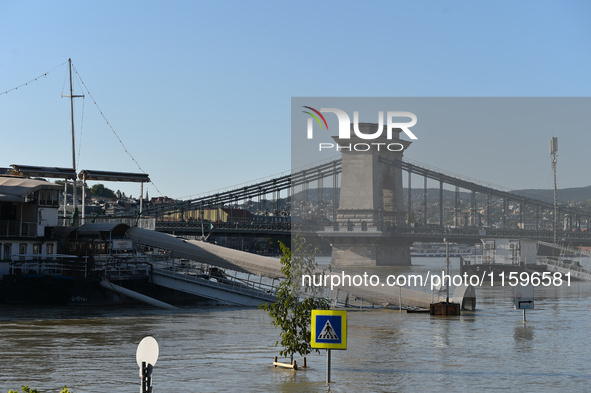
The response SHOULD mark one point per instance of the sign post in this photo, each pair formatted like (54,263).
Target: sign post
(146,357)
(329,331)
(523,297)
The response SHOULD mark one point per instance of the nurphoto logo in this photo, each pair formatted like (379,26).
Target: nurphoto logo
(345,128)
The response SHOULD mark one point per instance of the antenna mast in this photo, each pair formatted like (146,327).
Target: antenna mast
(553,151)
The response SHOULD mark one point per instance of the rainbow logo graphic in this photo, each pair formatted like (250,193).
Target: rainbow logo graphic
(316,112)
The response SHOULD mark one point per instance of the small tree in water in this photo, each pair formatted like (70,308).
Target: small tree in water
(292,311)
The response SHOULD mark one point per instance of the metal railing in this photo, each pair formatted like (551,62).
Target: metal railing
(563,263)
(48,268)
(489,259)
(107,266)
(18,228)
(475,232)
(228,280)
(143,222)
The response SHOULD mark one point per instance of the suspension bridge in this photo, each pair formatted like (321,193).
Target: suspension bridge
(489,212)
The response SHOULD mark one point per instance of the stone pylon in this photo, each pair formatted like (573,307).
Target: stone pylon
(371,202)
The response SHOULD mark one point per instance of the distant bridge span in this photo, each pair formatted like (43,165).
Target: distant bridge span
(272,186)
(475,187)
(314,176)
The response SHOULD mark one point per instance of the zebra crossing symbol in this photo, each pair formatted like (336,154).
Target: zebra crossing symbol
(329,329)
(328,332)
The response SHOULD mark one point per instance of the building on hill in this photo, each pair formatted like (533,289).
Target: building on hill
(219,214)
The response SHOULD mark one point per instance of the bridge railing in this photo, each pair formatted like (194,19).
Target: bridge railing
(488,259)
(197,226)
(498,233)
(372,226)
(357,226)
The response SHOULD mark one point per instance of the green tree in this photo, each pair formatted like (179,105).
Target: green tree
(25,389)
(100,190)
(292,311)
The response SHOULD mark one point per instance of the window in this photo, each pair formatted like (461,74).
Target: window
(48,198)
(37,248)
(7,251)
(49,248)
(22,250)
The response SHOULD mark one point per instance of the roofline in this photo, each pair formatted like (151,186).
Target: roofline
(87,174)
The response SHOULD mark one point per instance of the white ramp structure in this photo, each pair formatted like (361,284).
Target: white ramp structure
(228,291)
(239,289)
(208,253)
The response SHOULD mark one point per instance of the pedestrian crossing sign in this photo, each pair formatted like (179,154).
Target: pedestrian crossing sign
(329,329)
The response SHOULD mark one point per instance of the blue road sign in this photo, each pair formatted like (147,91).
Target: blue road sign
(329,329)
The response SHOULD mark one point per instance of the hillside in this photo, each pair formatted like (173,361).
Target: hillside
(577,194)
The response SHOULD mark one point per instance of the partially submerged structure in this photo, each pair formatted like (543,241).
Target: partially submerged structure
(41,261)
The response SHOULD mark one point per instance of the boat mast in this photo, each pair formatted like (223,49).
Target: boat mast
(74,196)
(72,96)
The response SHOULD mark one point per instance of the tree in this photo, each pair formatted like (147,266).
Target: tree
(100,190)
(25,389)
(292,311)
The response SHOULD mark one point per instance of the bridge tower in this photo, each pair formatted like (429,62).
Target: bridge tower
(371,202)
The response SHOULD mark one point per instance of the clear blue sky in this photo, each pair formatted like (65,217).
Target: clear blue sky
(199,92)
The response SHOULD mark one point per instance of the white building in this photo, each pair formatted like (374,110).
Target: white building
(27,208)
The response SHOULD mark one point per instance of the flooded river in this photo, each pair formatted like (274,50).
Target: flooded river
(227,349)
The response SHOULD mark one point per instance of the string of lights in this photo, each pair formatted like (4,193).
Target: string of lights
(33,80)
(111,127)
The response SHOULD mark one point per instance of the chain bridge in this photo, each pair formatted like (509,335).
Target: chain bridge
(377,212)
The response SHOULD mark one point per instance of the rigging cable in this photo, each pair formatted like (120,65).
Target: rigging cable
(81,123)
(80,138)
(33,80)
(112,129)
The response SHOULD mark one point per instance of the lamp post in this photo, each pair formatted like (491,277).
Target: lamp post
(446,269)
(553,152)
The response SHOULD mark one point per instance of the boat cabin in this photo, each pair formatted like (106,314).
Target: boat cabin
(27,208)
